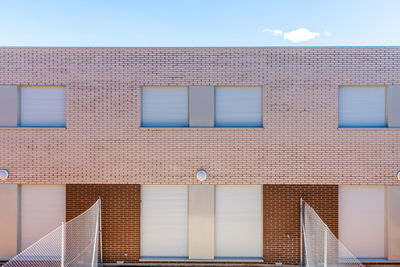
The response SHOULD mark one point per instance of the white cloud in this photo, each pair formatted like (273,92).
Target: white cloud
(274,32)
(300,35)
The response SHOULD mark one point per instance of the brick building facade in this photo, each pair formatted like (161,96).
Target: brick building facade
(299,150)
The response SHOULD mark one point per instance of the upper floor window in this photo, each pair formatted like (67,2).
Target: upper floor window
(238,107)
(42,106)
(165,107)
(362,106)
(32,106)
(209,107)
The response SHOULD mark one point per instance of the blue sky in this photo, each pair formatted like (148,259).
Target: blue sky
(165,23)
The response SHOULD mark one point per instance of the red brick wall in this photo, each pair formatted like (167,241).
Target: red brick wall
(103,141)
(120,217)
(282,216)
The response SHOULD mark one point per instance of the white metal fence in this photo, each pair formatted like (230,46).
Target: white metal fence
(321,247)
(75,243)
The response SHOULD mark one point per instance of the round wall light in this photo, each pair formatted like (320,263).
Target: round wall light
(398,175)
(201,175)
(3,174)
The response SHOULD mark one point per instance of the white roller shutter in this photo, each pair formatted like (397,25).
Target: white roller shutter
(238,107)
(42,107)
(362,220)
(165,107)
(42,211)
(164,212)
(362,106)
(239,230)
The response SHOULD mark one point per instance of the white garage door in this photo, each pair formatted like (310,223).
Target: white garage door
(362,220)
(238,221)
(42,211)
(164,213)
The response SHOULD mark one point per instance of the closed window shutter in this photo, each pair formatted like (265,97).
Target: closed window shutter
(42,211)
(238,107)
(165,107)
(238,221)
(42,107)
(362,220)
(164,221)
(362,107)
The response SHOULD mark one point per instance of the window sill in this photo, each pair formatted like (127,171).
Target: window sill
(203,128)
(368,129)
(216,259)
(34,128)
(377,260)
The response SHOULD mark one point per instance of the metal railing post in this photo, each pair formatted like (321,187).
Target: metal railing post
(100,235)
(301,231)
(326,246)
(62,244)
(304,234)
(96,236)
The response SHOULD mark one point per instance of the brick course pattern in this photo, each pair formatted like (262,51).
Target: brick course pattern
(120,217)
(103,142)
(282,217)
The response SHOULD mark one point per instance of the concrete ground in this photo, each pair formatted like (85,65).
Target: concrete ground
(200,265)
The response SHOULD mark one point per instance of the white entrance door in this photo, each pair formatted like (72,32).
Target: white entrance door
(164,212)
(238,221)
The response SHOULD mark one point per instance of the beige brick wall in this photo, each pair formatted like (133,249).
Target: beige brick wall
(103,141)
